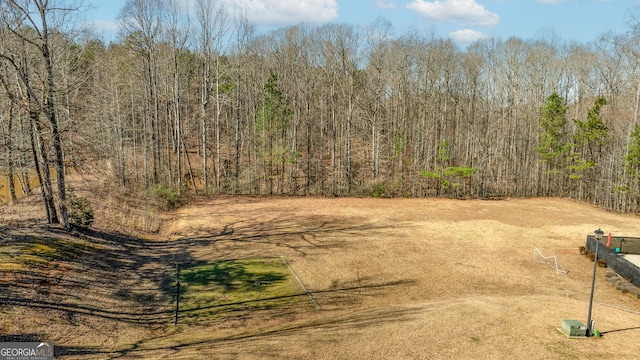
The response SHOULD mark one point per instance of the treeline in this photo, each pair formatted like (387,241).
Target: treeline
(211,105)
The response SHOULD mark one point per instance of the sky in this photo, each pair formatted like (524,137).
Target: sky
(464,21)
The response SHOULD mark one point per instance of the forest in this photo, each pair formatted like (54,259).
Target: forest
(203,102)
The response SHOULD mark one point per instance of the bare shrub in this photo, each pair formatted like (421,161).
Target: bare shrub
(622,284)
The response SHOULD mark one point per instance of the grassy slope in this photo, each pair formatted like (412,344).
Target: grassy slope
(404,278)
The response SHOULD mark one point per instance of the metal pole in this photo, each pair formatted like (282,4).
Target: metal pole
(593,283)
(175,319)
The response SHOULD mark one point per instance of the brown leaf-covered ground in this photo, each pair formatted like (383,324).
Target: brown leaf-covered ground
(394,278)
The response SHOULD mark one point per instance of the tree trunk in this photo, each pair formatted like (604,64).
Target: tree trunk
(8,143)
(44,175)
(53,122)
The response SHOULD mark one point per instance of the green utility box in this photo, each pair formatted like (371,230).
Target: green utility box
(573,328)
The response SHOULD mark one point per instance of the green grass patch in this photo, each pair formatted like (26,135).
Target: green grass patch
(59,249)
(38,253)
(226,287)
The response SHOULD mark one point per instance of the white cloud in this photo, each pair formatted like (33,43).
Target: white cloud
(463,12)
(286,12)
(468,35)
(103,26)
(383,4)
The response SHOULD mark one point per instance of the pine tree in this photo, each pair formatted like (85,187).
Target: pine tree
(553,139)
(272,122)
(632,160)
(591,135)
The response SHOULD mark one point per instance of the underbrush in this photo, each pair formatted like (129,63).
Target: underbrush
(132,209)
(168,197)
(80,209)
(622,284)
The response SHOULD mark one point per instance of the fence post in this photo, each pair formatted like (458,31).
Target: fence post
(175,319)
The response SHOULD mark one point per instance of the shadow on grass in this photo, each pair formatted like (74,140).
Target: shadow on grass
(212,291)
(60,271)
(619,330)
(301,235)
(93,273)
(232,275)
(327,324)
(21,337)
(125,279)
(338,293)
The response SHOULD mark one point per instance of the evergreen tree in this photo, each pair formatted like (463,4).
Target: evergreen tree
(592,132)
(272,122)
(553,138)
(632,160)
(591,135)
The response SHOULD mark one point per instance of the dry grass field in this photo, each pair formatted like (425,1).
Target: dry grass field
(392,279)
